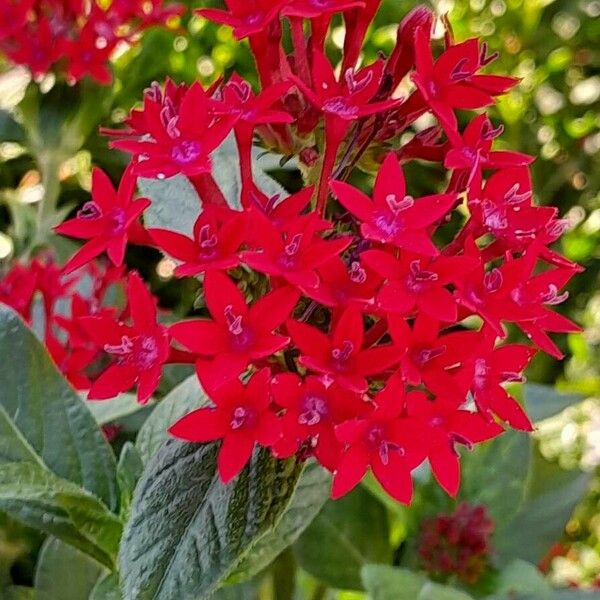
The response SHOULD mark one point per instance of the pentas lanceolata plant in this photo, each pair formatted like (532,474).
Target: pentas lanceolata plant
(75,37)
(375,338)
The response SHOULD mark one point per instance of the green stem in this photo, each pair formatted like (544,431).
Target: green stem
(46,217)
(320,592)
(284,576)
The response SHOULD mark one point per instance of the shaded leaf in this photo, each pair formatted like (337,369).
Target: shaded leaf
(107,588)
(187,530)
(129,470)
(521,577)
(186,397)
(346,535)
(108,411)
(383,582)
(544,401)
(552,495)
(311,493)
(47,416)
(496,473)
(10,129)
(64,572)
(43,501)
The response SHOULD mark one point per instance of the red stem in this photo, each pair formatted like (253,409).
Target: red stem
(300,49)
(208,189)
(335,131)
(373,335)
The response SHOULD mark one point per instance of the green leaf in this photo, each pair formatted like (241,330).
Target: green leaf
(43,501)
(10,130)
(383,582)
(17,592)
(129,470)
(346,535)
(175,203)
(435,591)
(107,588)
(544,401)
(108,411)
(521,577)
(188,531)
(187,396)
(64,572)
(42,415)
(495,474)
(311,493)
(58,122)
(242,591)
(552,495)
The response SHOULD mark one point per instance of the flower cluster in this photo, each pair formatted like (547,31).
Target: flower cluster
(53,303)
(457,544)
(75,37)
(376,336)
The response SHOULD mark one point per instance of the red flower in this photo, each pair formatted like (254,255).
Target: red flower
(294,253)
(444,425)
(218,234)
(340,356)
(247,17)
(238,334)
(311,9)
(390,445)
(503,207)
(17,288)
(139,350)
(393,217)
(106,220)
(342,285)
(473,150)
(351,97)
(312,410)
(414,282)
(176,139)
(492,367)
(431,358)
(452,81)
(241,418)
(238,100)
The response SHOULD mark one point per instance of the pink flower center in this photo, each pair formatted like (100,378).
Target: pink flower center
(424,355)
(377,442)
(419,279)
(116,221)
(142,351)
(341,107)
(243,417)
(357,273)
(481,374)
(342,355)
(289,257)
(312,410)
(208,243)
(90,211)
(186,152)
(241,337)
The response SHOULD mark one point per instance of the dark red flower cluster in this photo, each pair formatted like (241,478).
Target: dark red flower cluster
(457,544)
(75,37)
(53,303)
(375,336)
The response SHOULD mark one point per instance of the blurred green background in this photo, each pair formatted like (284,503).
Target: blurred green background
(554,114)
